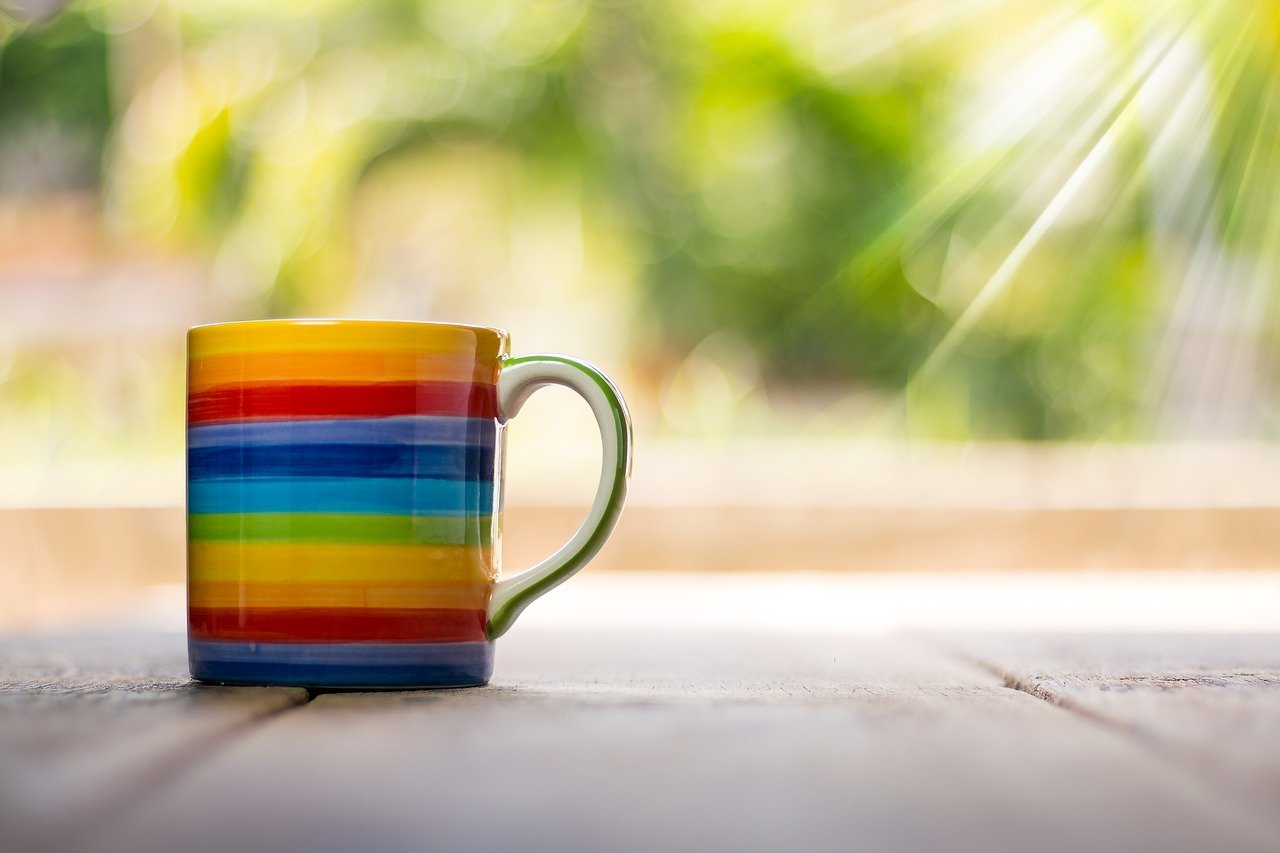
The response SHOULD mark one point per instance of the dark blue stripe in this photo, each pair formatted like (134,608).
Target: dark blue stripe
(412,429)
(355,665)
(341,460)
(388,496)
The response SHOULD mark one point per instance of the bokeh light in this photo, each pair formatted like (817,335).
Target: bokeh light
(837,220)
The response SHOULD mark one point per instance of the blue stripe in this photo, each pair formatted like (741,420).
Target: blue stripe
(340,460)
(358,665)
(412,429)
(397,496)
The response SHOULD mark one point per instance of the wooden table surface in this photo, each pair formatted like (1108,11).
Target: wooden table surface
(668,733)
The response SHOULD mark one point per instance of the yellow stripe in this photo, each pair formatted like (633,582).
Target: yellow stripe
(485,345)
(306,562)
(353,366)
(455,595)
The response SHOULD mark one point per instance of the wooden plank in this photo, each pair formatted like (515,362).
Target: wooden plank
(1210,702)
(686,740)
(89,724)
(803,537)
(66,566)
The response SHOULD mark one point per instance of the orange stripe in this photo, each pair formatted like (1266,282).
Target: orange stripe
(437,595)
(368,366)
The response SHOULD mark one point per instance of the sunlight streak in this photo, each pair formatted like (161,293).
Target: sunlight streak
(1000,279)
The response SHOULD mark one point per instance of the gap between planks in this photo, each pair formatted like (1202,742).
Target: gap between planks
(171,768)
(1011,681)
(1156,748)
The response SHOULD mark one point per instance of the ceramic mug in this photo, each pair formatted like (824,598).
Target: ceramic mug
(344,499)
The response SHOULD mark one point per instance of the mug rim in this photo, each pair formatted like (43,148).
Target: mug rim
(346,321)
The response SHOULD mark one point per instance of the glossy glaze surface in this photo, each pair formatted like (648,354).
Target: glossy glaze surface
(342,503)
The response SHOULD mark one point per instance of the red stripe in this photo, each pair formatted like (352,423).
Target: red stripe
(278,401)
(336,624)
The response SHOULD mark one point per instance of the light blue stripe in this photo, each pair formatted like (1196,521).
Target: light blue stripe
(364,495)
(412,429)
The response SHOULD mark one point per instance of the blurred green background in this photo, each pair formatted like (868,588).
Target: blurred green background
(932,220)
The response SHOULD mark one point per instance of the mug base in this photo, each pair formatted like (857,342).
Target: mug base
(342,666)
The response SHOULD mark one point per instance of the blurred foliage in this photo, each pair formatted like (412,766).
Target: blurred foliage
(947,206)
(53,91)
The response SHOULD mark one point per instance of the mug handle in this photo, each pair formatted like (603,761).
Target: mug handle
(518,378)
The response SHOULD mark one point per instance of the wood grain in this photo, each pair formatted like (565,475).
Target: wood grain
(1208,702)
(91,724)
(627,740)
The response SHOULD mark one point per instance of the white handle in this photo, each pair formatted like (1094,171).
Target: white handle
(518,378)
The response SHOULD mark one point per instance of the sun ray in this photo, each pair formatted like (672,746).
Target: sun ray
(1187,377)
(1249,353)
(948,184)
(1105,135)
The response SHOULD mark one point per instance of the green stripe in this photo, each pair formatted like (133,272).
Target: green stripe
(502,619)
(335,527)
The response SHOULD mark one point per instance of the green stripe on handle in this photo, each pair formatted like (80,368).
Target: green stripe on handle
(517,380)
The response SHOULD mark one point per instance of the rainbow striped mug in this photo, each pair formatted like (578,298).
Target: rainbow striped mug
(344,499)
